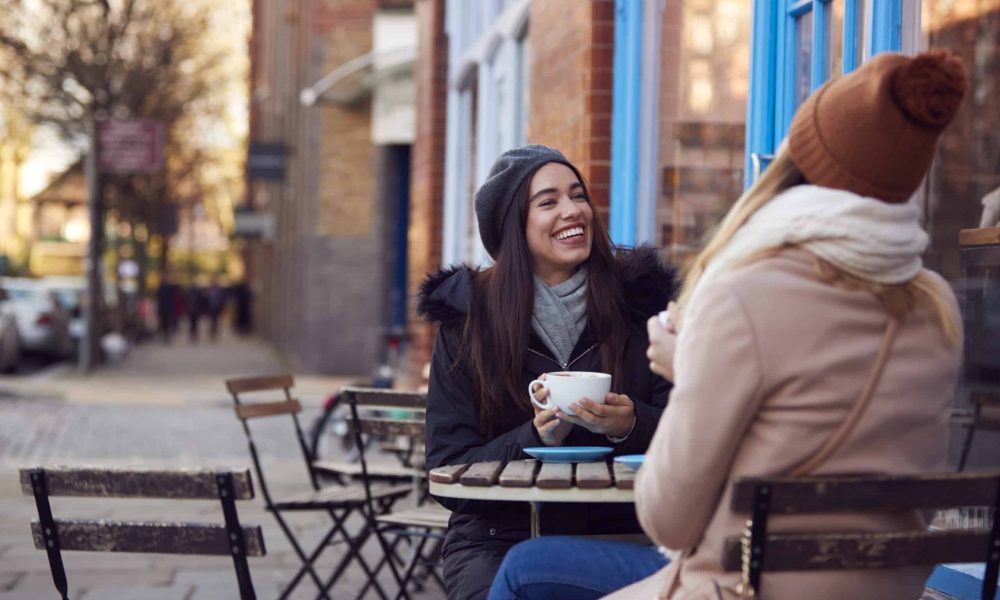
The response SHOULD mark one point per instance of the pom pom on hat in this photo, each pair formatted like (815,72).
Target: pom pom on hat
(929,89)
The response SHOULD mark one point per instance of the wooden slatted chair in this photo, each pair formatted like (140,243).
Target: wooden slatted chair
(340,502)
(396,413)
(55,535)
(758,551)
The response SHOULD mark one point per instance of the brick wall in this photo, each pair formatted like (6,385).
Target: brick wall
(427,174)
(572,46)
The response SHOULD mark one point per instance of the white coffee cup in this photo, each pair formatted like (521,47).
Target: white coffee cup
(567,387)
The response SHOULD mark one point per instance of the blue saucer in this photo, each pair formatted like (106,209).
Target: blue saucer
(568,454)
(631,460)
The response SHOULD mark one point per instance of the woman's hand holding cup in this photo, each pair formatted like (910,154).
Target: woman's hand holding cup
(551,428)
(613,418)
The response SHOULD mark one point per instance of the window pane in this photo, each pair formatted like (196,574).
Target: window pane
(967,165)
(963,188)
(703,92)
(834,38)
(524,48)
(803,57)
(861,33)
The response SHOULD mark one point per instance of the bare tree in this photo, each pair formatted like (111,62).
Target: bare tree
(68,60)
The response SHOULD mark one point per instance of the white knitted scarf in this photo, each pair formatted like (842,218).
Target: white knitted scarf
(870,239)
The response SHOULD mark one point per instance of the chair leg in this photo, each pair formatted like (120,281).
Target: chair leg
(355,545)
(307,562)
(966,446)
(381,563)
(428,563)
(392,554)
(408,574)
(383,505)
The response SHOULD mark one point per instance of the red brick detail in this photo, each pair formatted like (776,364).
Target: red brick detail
(571,81)
(427,170)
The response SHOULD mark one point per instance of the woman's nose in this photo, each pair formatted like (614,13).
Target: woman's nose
(570,209)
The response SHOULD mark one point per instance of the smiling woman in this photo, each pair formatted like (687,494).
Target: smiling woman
(558,298)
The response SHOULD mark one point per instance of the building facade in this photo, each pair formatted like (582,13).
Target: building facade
(331,113)
(493,75)
(673,107)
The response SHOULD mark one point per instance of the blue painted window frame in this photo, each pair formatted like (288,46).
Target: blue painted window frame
(626,105)
(771,103)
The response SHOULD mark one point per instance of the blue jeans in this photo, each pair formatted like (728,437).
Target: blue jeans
(572,568)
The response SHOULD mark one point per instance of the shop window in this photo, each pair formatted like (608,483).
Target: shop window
(833,38)
(523,68)
(965,177)
(704,58)
(803,56)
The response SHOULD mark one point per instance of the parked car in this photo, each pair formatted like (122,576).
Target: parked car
(71,293)
(42,324)
(10,340)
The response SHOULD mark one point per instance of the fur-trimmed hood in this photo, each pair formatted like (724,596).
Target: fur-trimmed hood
(648,286)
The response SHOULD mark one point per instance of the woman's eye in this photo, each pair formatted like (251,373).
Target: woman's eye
(549,202)
(580,197)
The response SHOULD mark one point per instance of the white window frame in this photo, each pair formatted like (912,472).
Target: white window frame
(485,51)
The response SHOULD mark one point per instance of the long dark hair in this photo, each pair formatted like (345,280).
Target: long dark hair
(498,325)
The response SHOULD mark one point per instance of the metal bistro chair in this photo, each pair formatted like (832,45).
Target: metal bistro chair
(758,551)
(338,501)
(55,535)
(379,412)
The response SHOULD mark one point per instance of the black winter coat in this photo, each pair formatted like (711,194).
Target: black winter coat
(480,532)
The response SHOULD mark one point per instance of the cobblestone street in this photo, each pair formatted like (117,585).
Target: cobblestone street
(163,406)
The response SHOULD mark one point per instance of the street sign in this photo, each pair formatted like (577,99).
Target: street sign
(130,146)
(266,160)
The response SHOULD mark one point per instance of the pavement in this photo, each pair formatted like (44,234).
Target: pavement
(162,405)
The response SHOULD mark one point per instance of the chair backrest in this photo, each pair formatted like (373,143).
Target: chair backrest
(384,412)
(759,551)
(228,539)
(271,386)
(377,411)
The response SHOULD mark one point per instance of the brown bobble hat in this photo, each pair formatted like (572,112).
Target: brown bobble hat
(873,132)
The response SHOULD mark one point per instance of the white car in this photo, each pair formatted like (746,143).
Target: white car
(69,293)
(10,340)
(42,324)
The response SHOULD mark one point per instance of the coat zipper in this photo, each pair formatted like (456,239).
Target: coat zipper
(565,367)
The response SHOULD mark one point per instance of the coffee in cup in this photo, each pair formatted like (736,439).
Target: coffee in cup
(568,387)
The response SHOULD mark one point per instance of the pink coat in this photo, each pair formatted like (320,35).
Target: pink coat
(772,362)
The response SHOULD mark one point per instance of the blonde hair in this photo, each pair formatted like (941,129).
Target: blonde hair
(923,292)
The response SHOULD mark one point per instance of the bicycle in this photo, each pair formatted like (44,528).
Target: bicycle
(329,434)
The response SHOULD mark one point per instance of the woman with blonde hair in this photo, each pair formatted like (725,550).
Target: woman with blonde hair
(812,342)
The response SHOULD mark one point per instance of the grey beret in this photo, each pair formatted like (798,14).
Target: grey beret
(496,196)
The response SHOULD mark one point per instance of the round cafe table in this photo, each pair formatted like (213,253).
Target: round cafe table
(535,482)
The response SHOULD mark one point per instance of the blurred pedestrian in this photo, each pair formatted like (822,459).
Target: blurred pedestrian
(165,307)
(215,300)
(196,304)
(180,306)
(242,297)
